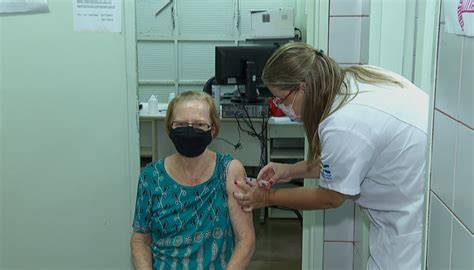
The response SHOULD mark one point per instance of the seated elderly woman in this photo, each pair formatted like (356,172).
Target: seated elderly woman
(185,215)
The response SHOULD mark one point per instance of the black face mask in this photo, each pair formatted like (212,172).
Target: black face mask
(189,141)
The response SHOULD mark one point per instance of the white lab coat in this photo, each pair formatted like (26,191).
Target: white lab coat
(374,148)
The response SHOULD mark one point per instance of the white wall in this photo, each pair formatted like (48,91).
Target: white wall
(341,29)
(398,35)
(1,145)
(451,221)
(387,29)
(317,33)
(349,31)
(69,142)
(348,45)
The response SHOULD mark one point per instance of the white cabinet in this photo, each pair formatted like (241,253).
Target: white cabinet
(285,145)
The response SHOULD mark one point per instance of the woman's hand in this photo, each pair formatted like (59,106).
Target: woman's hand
(274,173)
(251,195)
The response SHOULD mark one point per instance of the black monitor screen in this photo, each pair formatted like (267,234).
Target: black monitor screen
(242,65)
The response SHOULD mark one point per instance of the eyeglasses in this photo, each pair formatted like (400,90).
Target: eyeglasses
(279,101)
(201,126)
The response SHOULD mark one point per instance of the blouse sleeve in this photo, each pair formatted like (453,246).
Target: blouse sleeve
(346,157)
(224,160)
(142,218)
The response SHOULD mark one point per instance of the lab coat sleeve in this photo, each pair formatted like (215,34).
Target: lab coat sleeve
(346,157)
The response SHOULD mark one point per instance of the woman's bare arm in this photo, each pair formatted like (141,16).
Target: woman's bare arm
(141,252)
(305,198)
(242,223)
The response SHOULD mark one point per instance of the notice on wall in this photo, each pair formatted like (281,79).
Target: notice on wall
(97,15)
(459,17)
(16,6)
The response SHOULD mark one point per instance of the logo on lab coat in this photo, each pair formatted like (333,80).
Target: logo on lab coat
(325,172)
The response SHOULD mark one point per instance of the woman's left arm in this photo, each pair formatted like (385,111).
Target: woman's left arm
(242,222)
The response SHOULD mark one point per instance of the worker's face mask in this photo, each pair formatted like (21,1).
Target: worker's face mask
(290,112)
(189,141)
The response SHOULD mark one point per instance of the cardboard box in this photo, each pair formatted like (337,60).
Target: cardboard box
(273,23)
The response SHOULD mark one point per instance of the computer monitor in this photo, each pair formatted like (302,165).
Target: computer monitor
(242,65)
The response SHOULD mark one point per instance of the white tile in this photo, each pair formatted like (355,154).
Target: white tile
(364,40)
(439,235)
(357,259)
(345,7)
(357,224)
(338,255)
(361,230)
(344,39)
(445,132)
(339,222)
(366,7)
(449,69)
(360,258)
(466,95)
(464,177)
(463,248)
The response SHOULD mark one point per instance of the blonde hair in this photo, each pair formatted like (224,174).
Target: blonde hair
(194,96)
(295,63)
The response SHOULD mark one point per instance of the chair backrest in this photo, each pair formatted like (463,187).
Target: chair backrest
(208,85)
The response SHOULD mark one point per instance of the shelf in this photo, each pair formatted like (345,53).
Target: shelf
(293,153)
(146,151)
(286,130)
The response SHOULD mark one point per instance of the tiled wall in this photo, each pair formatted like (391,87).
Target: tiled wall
(451,218)
(349,31)
(348,45)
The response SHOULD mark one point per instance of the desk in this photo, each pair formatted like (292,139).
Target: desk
(155,143)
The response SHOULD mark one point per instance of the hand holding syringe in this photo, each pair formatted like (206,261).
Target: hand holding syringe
(253,193)
(260,183)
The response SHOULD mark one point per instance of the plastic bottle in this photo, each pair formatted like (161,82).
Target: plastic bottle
(153,105)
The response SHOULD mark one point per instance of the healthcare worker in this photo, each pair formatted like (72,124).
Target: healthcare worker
(367,134)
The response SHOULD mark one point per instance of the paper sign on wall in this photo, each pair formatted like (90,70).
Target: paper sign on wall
(8,6)
(97,15)
(459,16)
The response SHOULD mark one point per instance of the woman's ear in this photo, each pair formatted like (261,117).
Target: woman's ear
(213,131)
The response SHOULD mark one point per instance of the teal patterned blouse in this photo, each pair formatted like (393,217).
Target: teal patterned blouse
(190,226)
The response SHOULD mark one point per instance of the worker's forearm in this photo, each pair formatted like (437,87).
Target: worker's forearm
(303,170)
(303,198)
(141,255)
(242,254)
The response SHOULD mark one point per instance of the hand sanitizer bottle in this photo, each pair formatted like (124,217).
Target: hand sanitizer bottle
(153,105)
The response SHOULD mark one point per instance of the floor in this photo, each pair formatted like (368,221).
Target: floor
(278,244)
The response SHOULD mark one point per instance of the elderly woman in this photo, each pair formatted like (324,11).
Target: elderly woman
(185,217)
